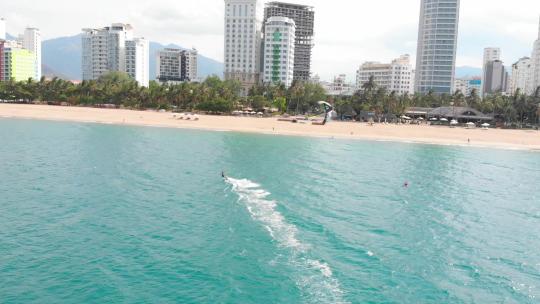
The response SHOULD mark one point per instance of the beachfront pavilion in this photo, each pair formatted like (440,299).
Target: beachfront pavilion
(461,114)
(417,112)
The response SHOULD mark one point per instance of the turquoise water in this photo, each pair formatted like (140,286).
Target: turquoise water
(111,214)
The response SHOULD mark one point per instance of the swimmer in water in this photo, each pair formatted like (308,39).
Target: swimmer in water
(406,185)
(223,174)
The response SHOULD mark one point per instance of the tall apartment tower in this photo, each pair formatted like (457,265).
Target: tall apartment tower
(2,29)
(496,78)
(176,65)
(535,77)
(437,42)
(304,19)
(242,42)
(278,58)
(190,66)
(32,42)
(521,76)
(113,49)
(138,60)
(490,54)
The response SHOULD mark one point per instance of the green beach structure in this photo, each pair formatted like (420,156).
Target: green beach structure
(18,64)
(278,61)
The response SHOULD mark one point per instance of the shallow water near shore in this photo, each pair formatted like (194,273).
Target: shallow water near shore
(102,213)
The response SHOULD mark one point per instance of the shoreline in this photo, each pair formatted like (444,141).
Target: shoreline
(422,134)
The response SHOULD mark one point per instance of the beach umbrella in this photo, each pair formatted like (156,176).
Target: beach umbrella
(405,117)
(454,122)
(485,125)
(253,113)
(434,119)
(260,113)
(420,118)
(444,119)
(470,124)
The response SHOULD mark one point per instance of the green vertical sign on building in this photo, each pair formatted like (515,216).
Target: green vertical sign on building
(276,75)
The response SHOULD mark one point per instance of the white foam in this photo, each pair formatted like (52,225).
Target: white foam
(316,277)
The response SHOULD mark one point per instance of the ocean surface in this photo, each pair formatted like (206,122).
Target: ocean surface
(113,214)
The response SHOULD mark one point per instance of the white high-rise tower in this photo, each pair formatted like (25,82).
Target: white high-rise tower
(278,60)
(490,54)
(242,42)
(437,42)
(32,42)
(113,48)
(138,60)
(535,63)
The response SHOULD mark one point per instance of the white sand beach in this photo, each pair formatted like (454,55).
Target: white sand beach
(493,138)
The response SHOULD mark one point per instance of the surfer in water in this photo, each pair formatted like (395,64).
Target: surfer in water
(223,175)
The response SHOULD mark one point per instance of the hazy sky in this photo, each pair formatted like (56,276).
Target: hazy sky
(348,32)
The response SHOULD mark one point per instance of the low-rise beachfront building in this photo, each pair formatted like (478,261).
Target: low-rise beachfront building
(18,64)
(467,86)
(461,114)
(176,65)
(278,61)
(397,76)
(339,86)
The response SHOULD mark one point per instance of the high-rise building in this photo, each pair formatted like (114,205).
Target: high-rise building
(521,76)
(32,42)
(137,60)
(242,42)
(437,42)
(17,64)
(113,49)
(495,78)
(176,65)
(190,65)
(2,42)
(397,76)
(2,29)
(278,58)
(490,54)
(535,77)
(19,56)
(304,19)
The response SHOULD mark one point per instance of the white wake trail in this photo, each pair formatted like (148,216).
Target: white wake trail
(315,278)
